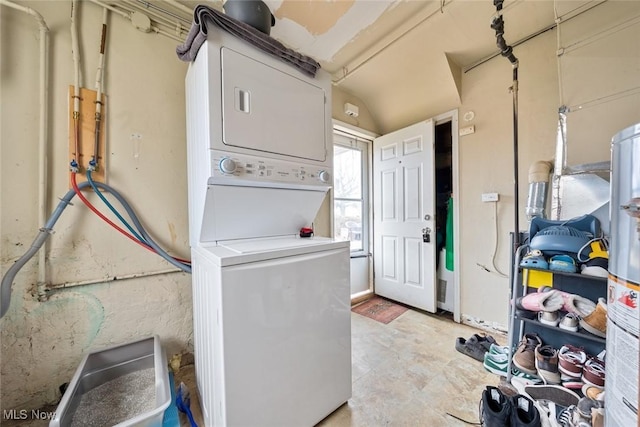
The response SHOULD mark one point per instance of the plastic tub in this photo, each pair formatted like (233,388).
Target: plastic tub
(100,367)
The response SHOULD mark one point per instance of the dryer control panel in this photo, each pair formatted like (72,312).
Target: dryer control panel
(243,167)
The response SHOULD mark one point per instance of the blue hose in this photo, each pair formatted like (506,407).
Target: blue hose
(7,279)
(112,209)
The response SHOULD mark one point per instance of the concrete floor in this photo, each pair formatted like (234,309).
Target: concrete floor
(405,373)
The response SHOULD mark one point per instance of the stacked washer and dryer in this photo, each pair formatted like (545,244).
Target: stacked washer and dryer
(272,326)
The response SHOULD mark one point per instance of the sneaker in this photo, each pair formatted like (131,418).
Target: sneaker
(499,364)
(546,362)
(524,378)
(540,301)
(565,417)
(570,322)
(596,321)
(523,412)
(496,363)
(571,361)
(550,318)
(593,372)
(584,407)
(499,349)
(553,393)
(572,303)
(595,267)
(524,358)
(495,408)
(570,382)
(593,392)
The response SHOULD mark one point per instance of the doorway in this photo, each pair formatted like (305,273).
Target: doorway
(443,172)
(415,220)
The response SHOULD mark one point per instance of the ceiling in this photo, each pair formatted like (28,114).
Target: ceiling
(404,58)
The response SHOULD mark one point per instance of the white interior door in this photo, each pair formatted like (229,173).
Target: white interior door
(404,216)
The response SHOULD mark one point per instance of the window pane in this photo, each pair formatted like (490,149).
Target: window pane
(347,168)
(348,222)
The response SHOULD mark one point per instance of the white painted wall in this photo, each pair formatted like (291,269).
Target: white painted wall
(602,58)
(43,343)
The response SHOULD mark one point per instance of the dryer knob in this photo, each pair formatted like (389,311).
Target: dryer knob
(227,165)
(324,176)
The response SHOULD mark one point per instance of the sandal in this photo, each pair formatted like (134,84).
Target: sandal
(476,346)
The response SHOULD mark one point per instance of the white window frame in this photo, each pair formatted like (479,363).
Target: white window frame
(347,139)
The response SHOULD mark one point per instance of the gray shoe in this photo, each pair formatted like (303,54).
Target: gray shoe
(474,347)
(554,393)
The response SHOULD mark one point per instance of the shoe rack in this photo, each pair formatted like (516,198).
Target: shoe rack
(590,287)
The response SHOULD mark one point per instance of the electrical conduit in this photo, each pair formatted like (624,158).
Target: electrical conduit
(43,136)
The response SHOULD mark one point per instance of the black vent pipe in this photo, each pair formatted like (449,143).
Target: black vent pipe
(497,24)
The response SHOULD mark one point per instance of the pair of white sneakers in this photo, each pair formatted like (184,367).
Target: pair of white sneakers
(569,321)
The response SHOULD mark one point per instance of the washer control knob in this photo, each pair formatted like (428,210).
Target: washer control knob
(227,165)
(324,176)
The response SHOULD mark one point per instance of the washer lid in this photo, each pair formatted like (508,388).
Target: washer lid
(272,244)
(240,211)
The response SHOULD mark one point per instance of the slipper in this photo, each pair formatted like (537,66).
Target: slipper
(484,340)
(562,263)
(471,348)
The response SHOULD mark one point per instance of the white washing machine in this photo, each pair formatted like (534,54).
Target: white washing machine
(272,325)
(272,330)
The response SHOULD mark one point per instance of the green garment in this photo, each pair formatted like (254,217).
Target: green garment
(448,244)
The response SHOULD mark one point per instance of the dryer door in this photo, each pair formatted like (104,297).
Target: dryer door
(268,110)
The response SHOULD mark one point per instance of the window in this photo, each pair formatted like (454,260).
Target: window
(350,162)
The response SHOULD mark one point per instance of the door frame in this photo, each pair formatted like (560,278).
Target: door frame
(449,116)
(452,116)
(368,137)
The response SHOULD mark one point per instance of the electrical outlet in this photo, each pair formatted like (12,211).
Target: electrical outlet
(467,130)
(490,197)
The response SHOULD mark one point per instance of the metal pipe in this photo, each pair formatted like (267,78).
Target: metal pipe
(113,9)
(75,53)
(158,17)
(497,24)
(93,164)
(60,286)
(530,36)
(180,6)
(378,50)
(43,135)
(516,167)
(560,164)
(127,15)
(164,33)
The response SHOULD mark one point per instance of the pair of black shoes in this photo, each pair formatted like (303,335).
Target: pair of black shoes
(499,410)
